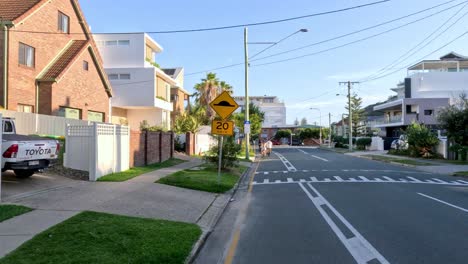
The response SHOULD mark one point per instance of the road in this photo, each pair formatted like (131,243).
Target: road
(315,206)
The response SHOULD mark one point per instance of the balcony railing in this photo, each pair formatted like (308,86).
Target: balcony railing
(387,120)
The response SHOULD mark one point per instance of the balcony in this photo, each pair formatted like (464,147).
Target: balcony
(163,104)
(388,121)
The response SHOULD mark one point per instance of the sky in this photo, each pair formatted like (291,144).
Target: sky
(309,82)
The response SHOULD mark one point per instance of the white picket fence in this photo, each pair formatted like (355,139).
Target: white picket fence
(30,123)
(100,149)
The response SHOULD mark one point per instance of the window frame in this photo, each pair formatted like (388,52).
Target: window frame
(80,112)
(85,65)
(24,53)
(60,25)
(429,110)
(20,108)
(97,112)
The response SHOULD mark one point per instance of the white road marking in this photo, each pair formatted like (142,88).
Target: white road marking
(352,179)
(266,181)
(338,178)
(302,180)
(314,179)
(285,171)
(465,182)
(440,201)
(363,178)
(361,250)
(266,173)
(403,180)
(317,157)
(286,162)
(413,179)
(326,179)
(388,178)
(305,171)
(277,181)
(289,180)
(437,180)
(303,151)
(325,170)
(429,181)
(378,180)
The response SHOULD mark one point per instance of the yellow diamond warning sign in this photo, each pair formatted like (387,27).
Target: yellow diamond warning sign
(224,105)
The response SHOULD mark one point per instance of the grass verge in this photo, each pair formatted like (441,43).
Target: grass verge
(91,237)
(204,179)
(8,211)
(461,173)
(137,171)
(402,161)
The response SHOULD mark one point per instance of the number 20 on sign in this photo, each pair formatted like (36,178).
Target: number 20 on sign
(224,128)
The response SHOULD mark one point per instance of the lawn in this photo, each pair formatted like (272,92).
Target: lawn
(91,237)
(137,171)
(8,211)
(402,161)
(461,173)
(204,179)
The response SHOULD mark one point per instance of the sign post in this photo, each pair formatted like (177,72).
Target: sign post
(224,105)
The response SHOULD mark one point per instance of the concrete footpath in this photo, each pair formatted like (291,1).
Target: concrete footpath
(139,197)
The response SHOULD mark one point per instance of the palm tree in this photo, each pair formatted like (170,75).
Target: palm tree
(226,87)
(207,90)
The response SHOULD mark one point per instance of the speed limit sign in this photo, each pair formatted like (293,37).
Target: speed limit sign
(224,128)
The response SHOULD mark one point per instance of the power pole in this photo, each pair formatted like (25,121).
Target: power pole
(246,115)
(329,130)
(350,117)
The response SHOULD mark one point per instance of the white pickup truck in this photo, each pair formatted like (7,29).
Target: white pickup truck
(26,155)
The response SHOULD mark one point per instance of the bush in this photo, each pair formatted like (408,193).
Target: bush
(283,133)
(229,156)
(363,142)
(421,139)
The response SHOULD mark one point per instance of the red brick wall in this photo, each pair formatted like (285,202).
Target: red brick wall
(21,88)
(1,66)
(81,89)
(190,143)
(153,143)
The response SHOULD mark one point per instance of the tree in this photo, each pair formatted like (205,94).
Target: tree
(454,119)
(296,122)
(421,139)
(283,133)
(309,133)
(256,117)
(303,121)
(206,91)
(186,123)
(226,87)
(358,113)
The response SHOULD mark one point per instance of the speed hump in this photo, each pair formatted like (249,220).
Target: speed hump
(224,128)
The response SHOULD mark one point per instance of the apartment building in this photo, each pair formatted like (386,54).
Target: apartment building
(274,109)
(49,63)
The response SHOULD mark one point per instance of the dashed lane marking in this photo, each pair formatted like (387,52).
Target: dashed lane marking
(338,179)
(286,162)
(314,156)
(325,170)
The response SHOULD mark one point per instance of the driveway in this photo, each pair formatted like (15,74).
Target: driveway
(15,188)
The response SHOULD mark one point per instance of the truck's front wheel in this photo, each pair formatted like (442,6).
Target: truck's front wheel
(24,173)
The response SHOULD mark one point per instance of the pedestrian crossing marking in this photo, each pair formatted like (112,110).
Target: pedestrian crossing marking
(362,179)
(325,170)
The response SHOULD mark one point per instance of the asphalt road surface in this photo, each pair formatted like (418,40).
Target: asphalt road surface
(315,206)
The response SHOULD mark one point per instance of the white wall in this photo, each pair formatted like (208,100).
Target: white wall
(439,84)
(154,117)
(140,91)
(119,56)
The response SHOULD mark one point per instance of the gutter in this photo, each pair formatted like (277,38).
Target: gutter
(5,25)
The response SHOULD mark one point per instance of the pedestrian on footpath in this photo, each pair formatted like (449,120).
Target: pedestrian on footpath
(269,146)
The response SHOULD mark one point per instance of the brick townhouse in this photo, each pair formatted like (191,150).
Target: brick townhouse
(49,61)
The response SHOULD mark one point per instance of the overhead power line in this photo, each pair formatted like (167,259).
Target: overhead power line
(415,49)
(359,40)
(239,25)
(333,38)
(422,58)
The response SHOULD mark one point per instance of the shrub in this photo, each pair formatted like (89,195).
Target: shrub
(229,156)
(363,142)
(421,139)
(283,133)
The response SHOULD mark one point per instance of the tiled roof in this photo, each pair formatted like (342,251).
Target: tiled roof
(12,9)
(64,60)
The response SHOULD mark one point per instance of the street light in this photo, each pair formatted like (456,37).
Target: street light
(246,58)
(320,112)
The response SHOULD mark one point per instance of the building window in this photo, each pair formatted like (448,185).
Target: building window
(95,116)
(428,112)
(25,108)
(124,76)
(111,43)
(68,112)
(26,55)
(113,76)
(63,23)
(85,65)
(124,42)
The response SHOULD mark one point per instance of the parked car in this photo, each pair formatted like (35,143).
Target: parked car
(297,142)
(26,155)
(276,142)
(400,143)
